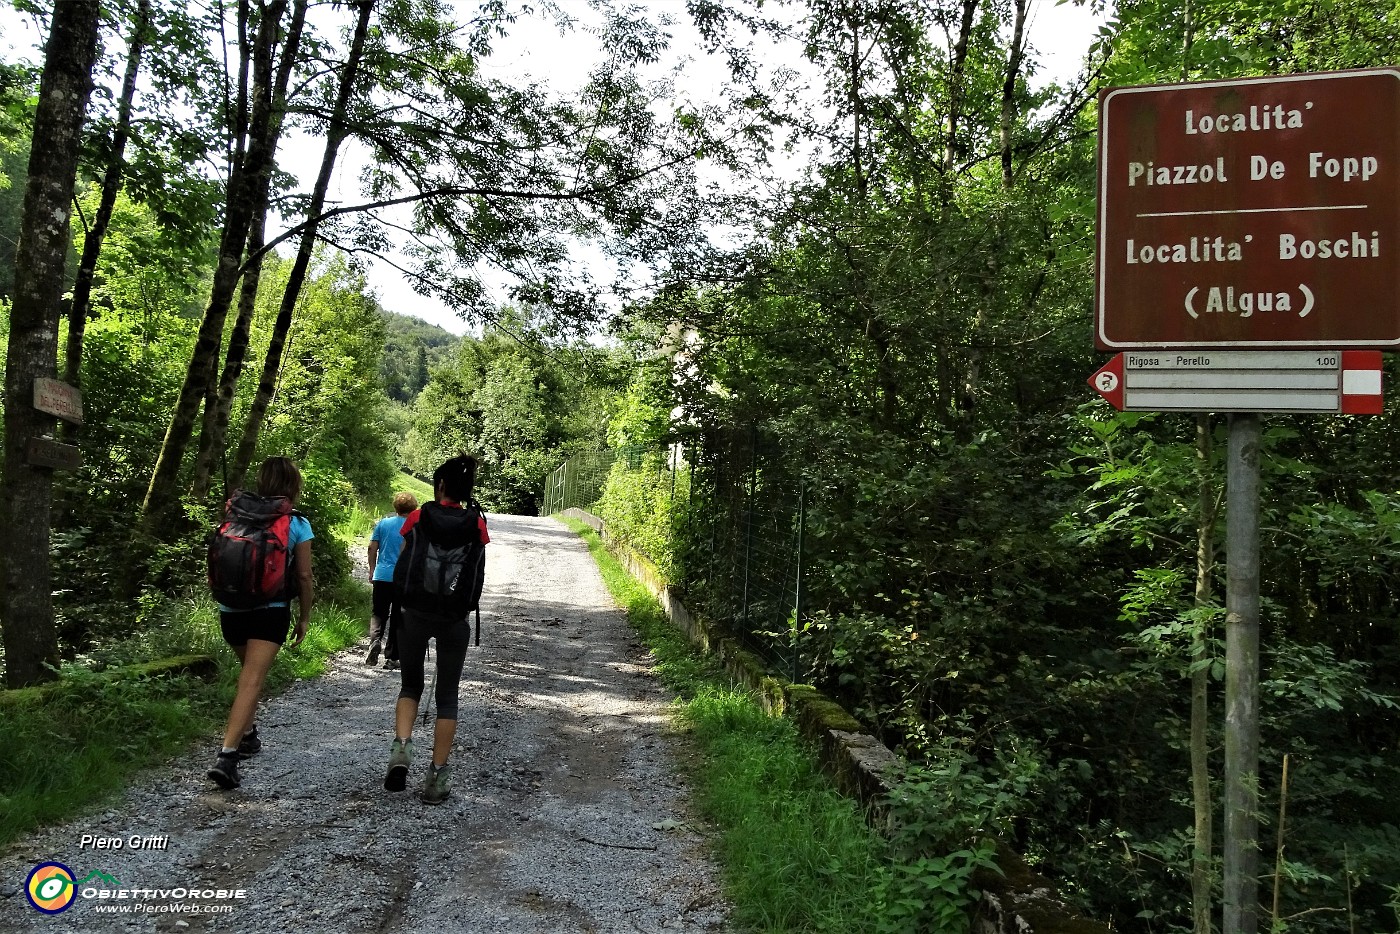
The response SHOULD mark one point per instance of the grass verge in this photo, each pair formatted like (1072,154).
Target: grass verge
(84,739)
(796,855)
(363,515)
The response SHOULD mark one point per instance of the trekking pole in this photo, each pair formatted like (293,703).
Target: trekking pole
(429,700)
(425,702)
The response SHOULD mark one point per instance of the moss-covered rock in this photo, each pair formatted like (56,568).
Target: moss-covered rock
(203,666)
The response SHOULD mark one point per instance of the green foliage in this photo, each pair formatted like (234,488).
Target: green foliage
(642,504)
(931,893)
(992,565)
(326,500)
(412,348)
(642,499)
(18,96)
(77,748)
(639,417)
(797,856)
(148,273)
(952,809)
(439,425)
(514,433)
(328,408)
(519,403)
(136,348)
(19,85)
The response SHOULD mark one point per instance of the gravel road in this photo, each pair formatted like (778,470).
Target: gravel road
(567,813)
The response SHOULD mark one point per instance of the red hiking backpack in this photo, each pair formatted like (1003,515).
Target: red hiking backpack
(249,555)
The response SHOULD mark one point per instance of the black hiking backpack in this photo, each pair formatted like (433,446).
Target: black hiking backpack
(441,567)
(249,555)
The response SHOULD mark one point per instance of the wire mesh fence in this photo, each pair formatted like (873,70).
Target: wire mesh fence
(578,482)
(751,521)
(736,528)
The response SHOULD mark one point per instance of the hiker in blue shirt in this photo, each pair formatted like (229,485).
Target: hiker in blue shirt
(256,633)
(385,543)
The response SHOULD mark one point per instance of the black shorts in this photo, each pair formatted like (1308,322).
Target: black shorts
(269,624)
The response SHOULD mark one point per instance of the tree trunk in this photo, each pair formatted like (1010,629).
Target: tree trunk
(31,643)
(111,184)
(163,493)
(1008,92)
(987,283)
(272,363)
(1240,865)
(957,76)
(213,433)
(876,329)
(1202,875)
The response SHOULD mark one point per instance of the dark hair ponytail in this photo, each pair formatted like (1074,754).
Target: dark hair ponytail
(456,478)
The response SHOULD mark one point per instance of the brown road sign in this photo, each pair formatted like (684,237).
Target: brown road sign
(45,452)
(1262,213)
(58,398)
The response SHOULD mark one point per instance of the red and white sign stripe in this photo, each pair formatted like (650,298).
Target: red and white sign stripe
(1361,382)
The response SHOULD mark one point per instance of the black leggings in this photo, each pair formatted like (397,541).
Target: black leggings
(453,637)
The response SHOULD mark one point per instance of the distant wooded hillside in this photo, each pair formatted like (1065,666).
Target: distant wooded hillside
(412,347)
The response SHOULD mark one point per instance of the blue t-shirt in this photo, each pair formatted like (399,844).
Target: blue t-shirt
(298,531)
(386,533)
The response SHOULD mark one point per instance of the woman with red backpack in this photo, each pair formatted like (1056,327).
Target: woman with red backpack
(259,559)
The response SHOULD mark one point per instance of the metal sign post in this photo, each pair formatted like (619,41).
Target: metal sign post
(1242,675)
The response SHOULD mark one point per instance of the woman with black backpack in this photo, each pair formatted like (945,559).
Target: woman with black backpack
(439,578)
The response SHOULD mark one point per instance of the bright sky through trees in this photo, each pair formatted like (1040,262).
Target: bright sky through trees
(537,50)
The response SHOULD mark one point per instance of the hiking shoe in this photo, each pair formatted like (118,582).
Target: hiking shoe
(374,646)
(437,785)
(249,745)
(396,779)
(225,771)
(391,664)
